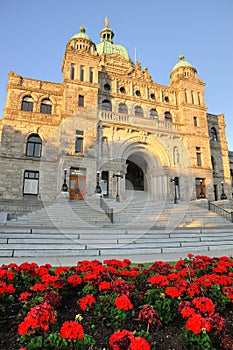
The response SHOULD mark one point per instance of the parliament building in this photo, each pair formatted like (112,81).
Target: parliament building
(108,124)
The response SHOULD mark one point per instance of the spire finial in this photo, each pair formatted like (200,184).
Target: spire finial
(181,57)
(106,22)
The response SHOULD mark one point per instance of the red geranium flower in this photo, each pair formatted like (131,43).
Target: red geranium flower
(205,305)
(159,280)
(86,301)
(139,343)
(196,323)
(123,303)
(74,280)
(72,330)
(121,340)
(104,285)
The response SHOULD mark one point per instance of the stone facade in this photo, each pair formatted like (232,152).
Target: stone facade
(108,117)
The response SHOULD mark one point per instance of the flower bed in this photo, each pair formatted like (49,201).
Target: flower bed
(118,305)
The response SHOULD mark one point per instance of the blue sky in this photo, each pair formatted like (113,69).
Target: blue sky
(34,33)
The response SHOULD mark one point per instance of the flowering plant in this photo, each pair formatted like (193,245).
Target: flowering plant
(118,305)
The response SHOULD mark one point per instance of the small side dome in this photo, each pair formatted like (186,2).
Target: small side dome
(182,63)
(82,34)
(182,70)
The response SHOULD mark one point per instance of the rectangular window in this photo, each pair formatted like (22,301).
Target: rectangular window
(192,97)
(81,73)
(72,71)
(79,145)
(31,182)
(81,100)
(198,156)
(91,75)
(79,141)
(185,96)
(195,121)
(198,98)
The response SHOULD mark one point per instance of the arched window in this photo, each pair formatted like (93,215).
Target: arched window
(213,134)
(27,104)
(34,146)
(46,106)
(138,111)
(122,108)
(106,105)
(167,117)
(153,113)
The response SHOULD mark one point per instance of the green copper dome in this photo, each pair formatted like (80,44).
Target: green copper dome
(182,63)
(82,34)
(106,46)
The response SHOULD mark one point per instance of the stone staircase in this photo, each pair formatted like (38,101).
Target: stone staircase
(141,225)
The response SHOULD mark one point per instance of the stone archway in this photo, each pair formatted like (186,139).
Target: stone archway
(134,178)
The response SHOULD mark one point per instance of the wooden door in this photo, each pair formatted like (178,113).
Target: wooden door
(200,188)
(77,184)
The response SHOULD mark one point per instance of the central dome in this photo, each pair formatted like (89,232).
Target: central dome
(106,46)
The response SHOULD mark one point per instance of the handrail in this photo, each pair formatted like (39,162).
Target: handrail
(221,211)
(108,211)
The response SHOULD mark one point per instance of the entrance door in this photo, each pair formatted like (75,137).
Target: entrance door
(77,183)
(200,188)
(134,177)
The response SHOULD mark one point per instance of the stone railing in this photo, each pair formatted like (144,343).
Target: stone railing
(228,214)
(154,123)
(108,211)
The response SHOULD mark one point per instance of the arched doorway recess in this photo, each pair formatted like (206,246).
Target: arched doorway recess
(135,177)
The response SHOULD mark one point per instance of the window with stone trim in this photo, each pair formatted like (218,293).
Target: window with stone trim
(27,104)
(198,156)
(167,117)
(91,75)
(81,73)
(31,183)
(81,100)
(34,146)
(79,141)
(122,108)
(72,71)
(106,105)
(195,121)
(153,113)
(46,106)
(138,111)
(213,134)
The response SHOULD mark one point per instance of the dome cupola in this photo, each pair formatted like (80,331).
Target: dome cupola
(106,45)
(182,69)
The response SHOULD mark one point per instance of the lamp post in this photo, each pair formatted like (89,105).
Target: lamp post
(118,176)
(202,194)
(175,180)
(64,186)
(98,188)
(223,195)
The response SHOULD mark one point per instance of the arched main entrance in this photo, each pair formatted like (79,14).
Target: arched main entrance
(136,172)
(134,177)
